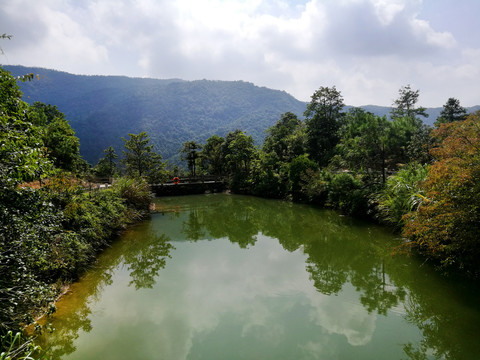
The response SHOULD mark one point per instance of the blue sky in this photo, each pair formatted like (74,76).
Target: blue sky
(368,49)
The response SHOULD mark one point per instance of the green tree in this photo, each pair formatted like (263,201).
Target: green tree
(190,152)
(212,157)
(405,104)
(323,119)
(62,145)
(140,159)
(22,152)
(280,137)
(239,153)
(402,194)
(420,144)
(452,111)
(347,193)
(412,140)
(41,114)
(58,136)
(107,165)
(298,168)
(269,177)
(365,144)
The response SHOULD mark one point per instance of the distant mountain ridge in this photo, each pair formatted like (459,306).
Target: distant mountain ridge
(103,109)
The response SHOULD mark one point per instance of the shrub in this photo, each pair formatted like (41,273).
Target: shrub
(135,191)
(50,235)
(347,193)
(315,185)
(401,194)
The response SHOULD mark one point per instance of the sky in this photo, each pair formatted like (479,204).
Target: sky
(367,49)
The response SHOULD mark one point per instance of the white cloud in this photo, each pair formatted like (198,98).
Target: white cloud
(367,48)
(431,37)
(386,10)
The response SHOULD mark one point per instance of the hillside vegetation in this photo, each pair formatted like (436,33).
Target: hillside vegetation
(52,221)
(103,109)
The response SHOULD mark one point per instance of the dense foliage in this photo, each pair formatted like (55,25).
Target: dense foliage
(394,170)
(52,223)
(446,226)
(170,111)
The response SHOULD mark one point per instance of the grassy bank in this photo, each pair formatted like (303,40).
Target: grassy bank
(49,237)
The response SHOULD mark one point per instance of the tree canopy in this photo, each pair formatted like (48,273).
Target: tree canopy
(446,225)
(323,119)
(190,152)
(405,104)
(452,111)
(22,152)
(140,159)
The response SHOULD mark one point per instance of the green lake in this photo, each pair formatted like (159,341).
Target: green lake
(223,276)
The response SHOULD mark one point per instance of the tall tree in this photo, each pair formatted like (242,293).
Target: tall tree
(22,155)
(212,158)
(107,165)
(413,139)
(366,143)
(140,159)
(405,104)
(452,111)
(190,152)
(323,119)
(62,144)
(279,136)
(239,152)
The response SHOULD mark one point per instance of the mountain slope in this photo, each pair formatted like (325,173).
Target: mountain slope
(103,109)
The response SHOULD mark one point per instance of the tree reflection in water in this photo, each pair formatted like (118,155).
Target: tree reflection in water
(338,251)
(337,255)
(143,255)
(145,264)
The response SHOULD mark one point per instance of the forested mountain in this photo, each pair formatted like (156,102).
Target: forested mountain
(103,109)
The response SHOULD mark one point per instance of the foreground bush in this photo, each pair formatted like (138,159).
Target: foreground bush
(49,236)
(446,226)
(135,191)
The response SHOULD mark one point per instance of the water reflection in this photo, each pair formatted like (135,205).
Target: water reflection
(311,285)
(335,254)
(364,260)
(145,263)
(143,254)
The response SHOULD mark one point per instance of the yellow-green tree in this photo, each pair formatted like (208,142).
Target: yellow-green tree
(446,227)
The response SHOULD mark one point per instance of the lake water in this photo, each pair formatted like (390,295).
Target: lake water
(235,277)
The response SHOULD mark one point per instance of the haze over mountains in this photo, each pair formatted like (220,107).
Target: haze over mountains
(103,109)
